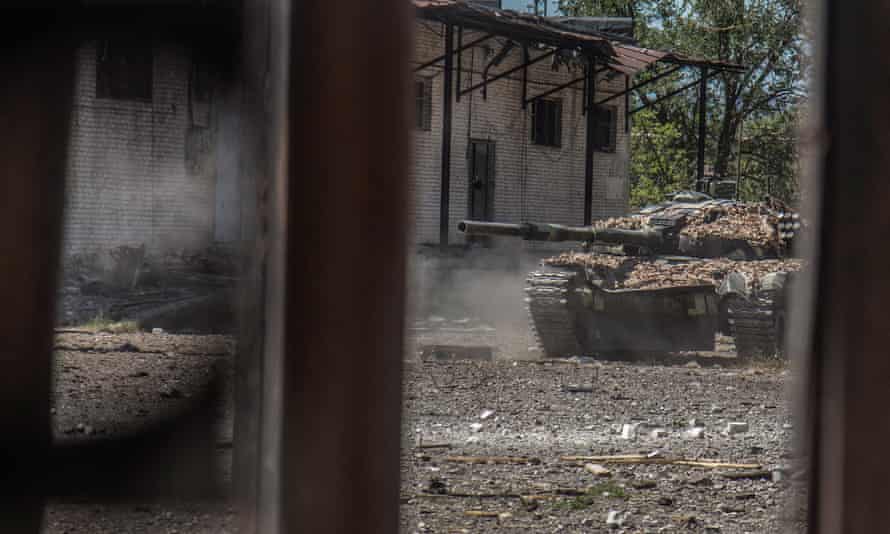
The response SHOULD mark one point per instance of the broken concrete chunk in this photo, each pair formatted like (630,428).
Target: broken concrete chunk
(736,428)
(597,470)
(615,519)
(659,433)
(695,433)
(629,431)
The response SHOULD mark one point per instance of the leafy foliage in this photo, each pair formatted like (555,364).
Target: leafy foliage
(766,36)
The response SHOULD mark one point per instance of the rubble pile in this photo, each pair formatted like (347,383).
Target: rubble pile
(621,272)
(752,223)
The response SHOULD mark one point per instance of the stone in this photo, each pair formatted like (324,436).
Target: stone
(695,433)
(659,433)
(695,422)
(665,501)
(615,519)
(629,431)
(597,470)
(736,427)
(486,414)
(157,331)
(476,427)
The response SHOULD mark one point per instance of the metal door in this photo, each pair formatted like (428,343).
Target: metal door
(481,180)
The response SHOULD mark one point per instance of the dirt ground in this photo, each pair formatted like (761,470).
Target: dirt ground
(505,406)
(109,385)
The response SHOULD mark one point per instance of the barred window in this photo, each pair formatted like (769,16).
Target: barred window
(124,69)
(606,128)
(547,122)
(423,93)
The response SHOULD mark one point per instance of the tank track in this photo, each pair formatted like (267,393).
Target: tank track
(755,327)
(553,307)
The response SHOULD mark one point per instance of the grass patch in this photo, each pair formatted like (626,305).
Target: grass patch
(101,324)
(603,490)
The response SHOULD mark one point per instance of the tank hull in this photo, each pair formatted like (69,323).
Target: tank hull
(571,316)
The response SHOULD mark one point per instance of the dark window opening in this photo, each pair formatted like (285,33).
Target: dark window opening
(423,93)
(547,122)
(606,128)
(124,70)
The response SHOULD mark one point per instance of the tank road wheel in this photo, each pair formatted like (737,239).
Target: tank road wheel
(757,327)
(553,307)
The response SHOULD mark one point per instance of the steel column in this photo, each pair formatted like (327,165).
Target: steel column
(447,98)
(460,57)
(591,137)
(702,128)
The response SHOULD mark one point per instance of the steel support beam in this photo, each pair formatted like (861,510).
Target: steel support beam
(506,73)
(553,90)
(525,56)
(460,49)
(639,86)
(447,117)
(673,93)
(460,57)
(590,131)
(702,128)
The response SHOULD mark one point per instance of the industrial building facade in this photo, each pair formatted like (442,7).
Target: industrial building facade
(513,158)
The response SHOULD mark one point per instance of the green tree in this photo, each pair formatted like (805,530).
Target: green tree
(660,164)
(765,36)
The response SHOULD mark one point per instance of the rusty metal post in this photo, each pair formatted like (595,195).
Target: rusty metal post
(35,103)
(340,224)
(850,369)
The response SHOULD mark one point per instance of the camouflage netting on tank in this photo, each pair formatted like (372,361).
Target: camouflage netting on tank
(622,272)
(753,223)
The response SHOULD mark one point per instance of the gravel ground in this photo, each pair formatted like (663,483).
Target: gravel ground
(532,411)
(536,412)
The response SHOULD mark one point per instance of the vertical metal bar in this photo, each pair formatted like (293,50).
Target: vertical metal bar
(626,103)
(525,76)
(460,57)
(702,128)
(447,87)
(35,103)
(348,147)
(591,139)
(584,106)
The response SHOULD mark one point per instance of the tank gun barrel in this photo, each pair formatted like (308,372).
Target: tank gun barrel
(651,239)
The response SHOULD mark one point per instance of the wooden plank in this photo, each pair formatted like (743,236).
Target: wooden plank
(348,144)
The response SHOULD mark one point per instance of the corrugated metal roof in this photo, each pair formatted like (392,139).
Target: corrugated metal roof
(525,27)
(519,26)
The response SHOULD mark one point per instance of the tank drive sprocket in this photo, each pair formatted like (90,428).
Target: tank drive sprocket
(553,306)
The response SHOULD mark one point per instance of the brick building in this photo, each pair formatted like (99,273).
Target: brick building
(153,153)
(509,162)
(154,147)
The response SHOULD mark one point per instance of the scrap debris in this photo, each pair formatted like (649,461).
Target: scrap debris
(649,459)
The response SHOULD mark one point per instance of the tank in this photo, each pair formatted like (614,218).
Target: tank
(665,279)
